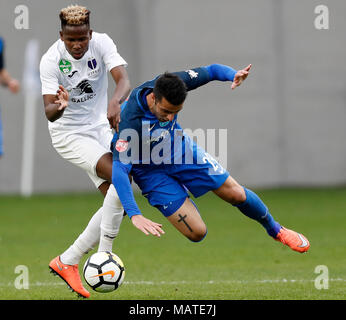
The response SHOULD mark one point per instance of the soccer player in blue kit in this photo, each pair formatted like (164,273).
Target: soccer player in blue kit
(166,163)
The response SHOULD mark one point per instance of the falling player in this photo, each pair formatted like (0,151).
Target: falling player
(166,163)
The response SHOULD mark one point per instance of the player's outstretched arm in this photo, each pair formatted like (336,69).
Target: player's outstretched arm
(55,105)
(6,80)
(122,185)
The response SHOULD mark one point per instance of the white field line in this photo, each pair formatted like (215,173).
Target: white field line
(160,283)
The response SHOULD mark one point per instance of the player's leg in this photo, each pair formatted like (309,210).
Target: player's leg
(92,156)
(188,221)
(112,208)
(66,265)
(104,169)
(102,228)
(171,198)
(208,175)
(112,216)
(250,204)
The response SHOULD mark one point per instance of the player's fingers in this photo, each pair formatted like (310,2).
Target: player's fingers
(153,230)
(65,95)
(157,231)
(248,67)
(161,230)
(158,227)
(117,121)
(143,230)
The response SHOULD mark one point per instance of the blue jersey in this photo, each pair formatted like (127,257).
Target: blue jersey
(143,139)
(163,161)
(2,63)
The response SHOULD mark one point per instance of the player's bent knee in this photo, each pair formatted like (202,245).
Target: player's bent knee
(198,236)
(238,195)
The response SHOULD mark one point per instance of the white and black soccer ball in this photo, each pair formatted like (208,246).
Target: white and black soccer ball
(104,271)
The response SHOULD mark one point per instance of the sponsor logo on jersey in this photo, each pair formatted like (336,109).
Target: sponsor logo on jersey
(72,74)
(82,88)
(163,124)
(192,74)
(121,145)
(65,66)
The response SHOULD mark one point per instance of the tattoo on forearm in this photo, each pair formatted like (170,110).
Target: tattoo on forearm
(182,219)
(124,97)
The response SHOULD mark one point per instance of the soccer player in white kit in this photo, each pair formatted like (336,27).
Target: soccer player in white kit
(74,87)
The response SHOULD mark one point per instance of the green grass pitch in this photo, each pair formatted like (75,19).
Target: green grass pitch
(237,260)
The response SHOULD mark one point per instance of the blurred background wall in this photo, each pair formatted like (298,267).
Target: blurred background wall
(286,123)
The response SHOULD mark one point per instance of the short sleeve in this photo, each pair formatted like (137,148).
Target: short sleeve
(48,76)
(110,54)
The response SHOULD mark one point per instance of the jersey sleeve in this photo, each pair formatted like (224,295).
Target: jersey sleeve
(110,54)
(48,76)
(2,62)
(120,180)
(194,78)
(197,77)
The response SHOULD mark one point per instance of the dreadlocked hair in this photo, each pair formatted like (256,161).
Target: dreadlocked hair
(74,15)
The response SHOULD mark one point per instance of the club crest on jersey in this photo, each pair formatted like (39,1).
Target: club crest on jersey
(92,63)
(65,66)
(121,145)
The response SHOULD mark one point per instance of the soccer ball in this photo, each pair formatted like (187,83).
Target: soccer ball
(104,271)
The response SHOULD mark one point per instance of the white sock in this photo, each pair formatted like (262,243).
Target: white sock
(85,242)
(112,215)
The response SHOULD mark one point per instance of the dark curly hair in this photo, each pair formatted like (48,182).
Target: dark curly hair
(171,87)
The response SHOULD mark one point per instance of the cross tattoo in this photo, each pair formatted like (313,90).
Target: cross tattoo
(182,218)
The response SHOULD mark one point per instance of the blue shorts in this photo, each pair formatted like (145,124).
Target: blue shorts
(166,186)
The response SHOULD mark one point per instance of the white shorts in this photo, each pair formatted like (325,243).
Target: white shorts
(84,149)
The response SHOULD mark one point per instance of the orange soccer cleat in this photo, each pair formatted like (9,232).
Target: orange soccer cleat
(70,274)
(294,240)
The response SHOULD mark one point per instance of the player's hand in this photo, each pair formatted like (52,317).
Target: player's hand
(13,85)
(147,226)
(240,76)
(62,98)
(113,114)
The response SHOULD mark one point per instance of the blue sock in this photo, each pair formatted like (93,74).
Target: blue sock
(254,208)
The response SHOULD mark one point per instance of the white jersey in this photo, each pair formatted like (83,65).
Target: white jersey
(85,79)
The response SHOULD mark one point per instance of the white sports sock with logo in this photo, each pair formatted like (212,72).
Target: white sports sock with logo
(85,242)
(112,216)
